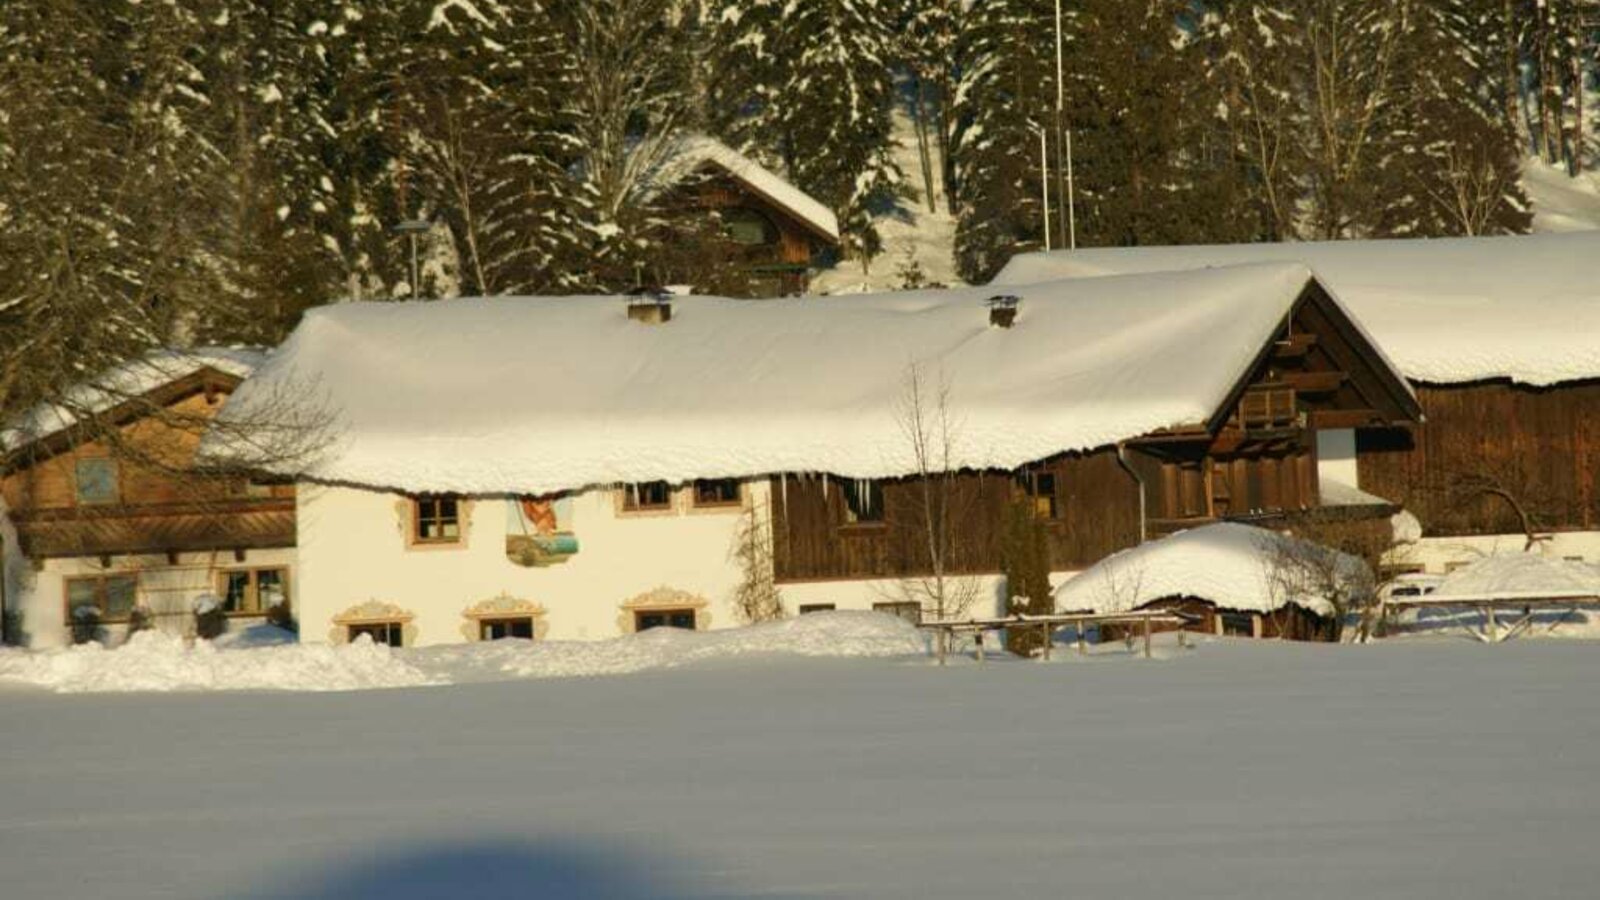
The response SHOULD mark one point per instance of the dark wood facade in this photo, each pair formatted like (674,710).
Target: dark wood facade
(148,509)
(1255,459)
(1540,445)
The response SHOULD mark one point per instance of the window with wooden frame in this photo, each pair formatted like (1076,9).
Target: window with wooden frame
(863,501)
(502,628)
(111,597)
(253,592)
(435,519)
(1267,406)
(1237,624)
(647,496)
(389,634)
(910,610)
(710,493)
(808,608)
(646,619)
(96,481)
(1038,488)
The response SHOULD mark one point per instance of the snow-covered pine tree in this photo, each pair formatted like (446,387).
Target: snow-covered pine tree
(836,107)
(473,112)
(1254,50)
(1005,92)
(1148,162)
(809,87)
(628,102)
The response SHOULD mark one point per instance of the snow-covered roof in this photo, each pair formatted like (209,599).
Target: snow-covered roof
(1447,311)
(693,152)
(536,395)
(1515,576)
(132,379)
(1228,564)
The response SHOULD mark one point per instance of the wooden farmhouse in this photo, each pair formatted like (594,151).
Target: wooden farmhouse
(1500,340)
(778,232)
(649,460)
(102,522)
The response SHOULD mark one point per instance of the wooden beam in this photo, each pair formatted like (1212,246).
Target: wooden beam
(1315,382)
(1345,418)
(1296,346)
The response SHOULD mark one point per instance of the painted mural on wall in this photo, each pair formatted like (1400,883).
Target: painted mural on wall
(539,531)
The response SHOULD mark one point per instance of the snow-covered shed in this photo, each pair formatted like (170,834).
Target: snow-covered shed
(779,229)
(1236,578)
(1501,338)
(617,449)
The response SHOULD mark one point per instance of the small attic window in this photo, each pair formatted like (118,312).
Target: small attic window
(748,227)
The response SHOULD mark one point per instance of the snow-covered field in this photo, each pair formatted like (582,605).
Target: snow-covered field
(1236,769)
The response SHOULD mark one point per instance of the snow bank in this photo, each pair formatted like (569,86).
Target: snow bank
(1228,564)
(1519,575)
(540,395)
(152,661)
(835,634)
(260,659)
(1446,310)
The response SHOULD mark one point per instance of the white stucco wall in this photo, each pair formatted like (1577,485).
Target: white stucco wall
(353,551)
(1336,455)
(168,590)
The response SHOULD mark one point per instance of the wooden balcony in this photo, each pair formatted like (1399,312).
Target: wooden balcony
(232,524)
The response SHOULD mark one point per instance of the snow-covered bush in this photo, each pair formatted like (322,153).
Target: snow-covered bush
(209,619)
(86,625)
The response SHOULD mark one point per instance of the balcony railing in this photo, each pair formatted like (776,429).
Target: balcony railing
(232,524)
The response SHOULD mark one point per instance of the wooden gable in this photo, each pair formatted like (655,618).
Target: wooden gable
(152,504)
(1256,455)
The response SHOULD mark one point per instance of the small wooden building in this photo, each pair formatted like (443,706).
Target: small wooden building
(778,232)
(110,522)
(1497,337)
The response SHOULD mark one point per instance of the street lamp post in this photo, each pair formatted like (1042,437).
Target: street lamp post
(411,228)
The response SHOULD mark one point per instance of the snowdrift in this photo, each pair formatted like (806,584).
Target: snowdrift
(1227,564)
(1520,575)
(1446,310)
(156,662)
(537,395)
(837,634)
(152,661)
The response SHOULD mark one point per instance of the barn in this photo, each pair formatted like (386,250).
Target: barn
(1499,338)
